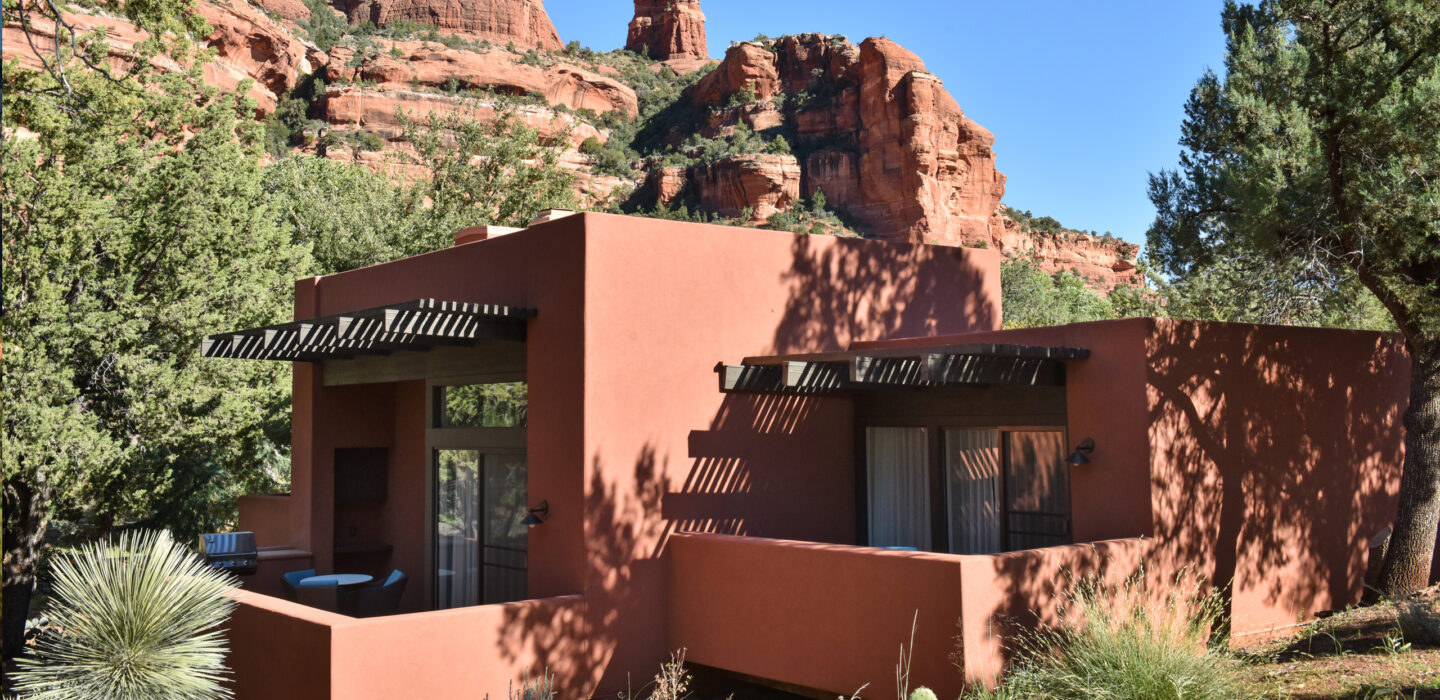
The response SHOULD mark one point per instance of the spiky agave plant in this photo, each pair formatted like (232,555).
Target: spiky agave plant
(137,616)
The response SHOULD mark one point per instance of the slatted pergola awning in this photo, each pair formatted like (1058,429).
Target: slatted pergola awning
(412,325)
(881,368)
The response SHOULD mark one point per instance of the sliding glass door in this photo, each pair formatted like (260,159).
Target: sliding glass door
(478,447)
(898,485)
(966,490)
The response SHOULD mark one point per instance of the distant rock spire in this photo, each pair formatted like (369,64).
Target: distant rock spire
(668,29)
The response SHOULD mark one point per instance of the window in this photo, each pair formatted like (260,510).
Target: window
(496,405)
(478,449)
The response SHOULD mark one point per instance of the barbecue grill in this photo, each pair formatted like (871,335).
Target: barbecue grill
(230,551)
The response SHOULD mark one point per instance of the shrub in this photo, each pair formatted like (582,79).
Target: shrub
(134,617)
(1123,642)
(591,146)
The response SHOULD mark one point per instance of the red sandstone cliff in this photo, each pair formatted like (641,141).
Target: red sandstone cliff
(248,45)
(871,127)
(886,142)
(523,22)
(668,29)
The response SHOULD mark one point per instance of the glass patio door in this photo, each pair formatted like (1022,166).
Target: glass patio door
(480,541)
(972,470)
(898,486)
(477,440)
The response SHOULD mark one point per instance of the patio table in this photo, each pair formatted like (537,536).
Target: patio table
(339,579)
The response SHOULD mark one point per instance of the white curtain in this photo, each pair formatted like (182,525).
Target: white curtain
(899,487)
(972,467)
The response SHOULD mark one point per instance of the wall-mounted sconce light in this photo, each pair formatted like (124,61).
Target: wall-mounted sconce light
(1081,455)
(534,518)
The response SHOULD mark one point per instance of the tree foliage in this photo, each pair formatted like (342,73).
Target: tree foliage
(1031,297)
(134,224)
(1316,154)
(502,172)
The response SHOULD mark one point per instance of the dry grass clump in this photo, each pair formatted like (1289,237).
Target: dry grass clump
(1126,641)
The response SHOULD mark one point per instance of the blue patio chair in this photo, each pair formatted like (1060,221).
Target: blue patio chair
(290,581)
(322,594)
(375,599)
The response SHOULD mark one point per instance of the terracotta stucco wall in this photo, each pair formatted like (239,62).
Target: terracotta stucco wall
(831,618)
(666,451)
(1276,455)
(286,651)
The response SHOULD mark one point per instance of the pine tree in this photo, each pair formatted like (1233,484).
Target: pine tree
(1319,145)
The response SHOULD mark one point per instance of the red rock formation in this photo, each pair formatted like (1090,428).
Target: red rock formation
(761,182)
(899,155)
(746,65)
(293,10)
(668,29)
(927,172)
(664,184)
(254,45)
(1105,262)
(500,21)
(248,45)
(374,109)
(428,64)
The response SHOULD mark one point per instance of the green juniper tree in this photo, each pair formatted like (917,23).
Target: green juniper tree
(1319,144)
(1032,297)
(133,226)
(503,172)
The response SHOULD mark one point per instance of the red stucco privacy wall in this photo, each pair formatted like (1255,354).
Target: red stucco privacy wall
(467,652)
(829,617)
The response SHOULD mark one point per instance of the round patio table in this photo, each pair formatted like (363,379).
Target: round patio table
(339,579)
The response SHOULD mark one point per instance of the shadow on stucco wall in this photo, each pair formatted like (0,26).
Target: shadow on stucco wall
(1274,457)
(1277,452)
(866,290)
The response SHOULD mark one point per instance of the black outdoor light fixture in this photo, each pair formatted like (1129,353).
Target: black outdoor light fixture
(1081,455)
(533,517)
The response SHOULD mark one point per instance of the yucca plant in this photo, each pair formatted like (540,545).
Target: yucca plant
(136,616)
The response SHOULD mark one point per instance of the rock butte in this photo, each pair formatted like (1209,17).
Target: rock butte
(523,22)
(668,29)
(875,131)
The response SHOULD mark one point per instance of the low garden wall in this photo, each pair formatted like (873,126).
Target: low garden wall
(832,617)
(282,650)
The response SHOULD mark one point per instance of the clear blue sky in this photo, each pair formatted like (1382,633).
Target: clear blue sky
(1084,98)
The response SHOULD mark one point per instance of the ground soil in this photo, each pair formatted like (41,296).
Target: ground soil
(1358,653)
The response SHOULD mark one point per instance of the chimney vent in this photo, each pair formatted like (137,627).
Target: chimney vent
(550,215)
(473,234)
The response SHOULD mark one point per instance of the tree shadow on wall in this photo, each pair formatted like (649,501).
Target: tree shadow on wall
(770,466)
(843,290)
(1275,458)
(623,532)
(1279,453)
(620,528)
